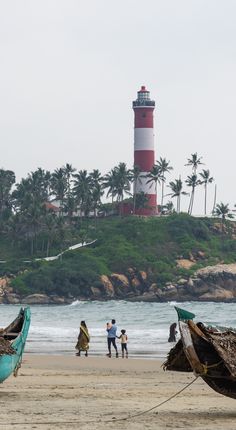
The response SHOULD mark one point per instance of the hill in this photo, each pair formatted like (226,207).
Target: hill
(131,257)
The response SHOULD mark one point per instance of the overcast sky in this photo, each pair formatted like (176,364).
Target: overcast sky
(70,70)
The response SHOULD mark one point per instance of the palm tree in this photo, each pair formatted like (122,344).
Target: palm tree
(68,171)
(154,176)
(50,223)
(109,181)
(59,186)
(136,178)
(192,181)
(7,179)
(169,207)
(223,211)
(177,190)
(122,183)
(164,167)
(96,177)
(82,191)
(194,161)
(206,179)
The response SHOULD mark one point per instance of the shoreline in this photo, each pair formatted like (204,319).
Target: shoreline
(58,392)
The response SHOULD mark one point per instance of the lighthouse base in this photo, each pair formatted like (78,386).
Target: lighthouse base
(150,208)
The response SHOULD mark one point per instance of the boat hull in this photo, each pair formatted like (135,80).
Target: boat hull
(206,362)
(10,363)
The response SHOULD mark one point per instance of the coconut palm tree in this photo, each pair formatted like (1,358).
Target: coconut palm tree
(59,186)
(122,183)
(109,181)
(169,208)
(135,177)
(177,191)
(68,171)
(206,179)
(223,211)
(192,181)
(7,179)
(154,176)
(164,167)
(82,191)
(194,161)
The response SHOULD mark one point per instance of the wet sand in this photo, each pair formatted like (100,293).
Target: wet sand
(69,392)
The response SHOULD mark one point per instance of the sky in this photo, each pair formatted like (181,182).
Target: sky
(70,70)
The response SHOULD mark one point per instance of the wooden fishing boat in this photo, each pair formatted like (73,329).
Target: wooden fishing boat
(12,343)
(208,352)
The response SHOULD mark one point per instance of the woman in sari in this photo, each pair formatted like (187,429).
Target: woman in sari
(83,339)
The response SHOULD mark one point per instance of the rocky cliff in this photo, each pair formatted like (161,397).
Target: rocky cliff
(213,283)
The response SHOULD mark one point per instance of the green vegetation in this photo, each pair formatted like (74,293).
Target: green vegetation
(47,212)
(148,244)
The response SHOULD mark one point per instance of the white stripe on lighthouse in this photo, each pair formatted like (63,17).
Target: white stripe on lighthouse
(141,185)
(143,139)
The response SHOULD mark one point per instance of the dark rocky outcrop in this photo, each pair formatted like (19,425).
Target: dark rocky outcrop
(213,283)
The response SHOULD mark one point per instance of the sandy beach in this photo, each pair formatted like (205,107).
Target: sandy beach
(68,392)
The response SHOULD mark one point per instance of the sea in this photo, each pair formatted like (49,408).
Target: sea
(54,329)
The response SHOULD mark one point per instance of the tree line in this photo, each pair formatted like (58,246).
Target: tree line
(27,217)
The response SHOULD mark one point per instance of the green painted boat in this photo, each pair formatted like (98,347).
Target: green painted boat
(12,343)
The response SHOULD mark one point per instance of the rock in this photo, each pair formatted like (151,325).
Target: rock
(108,287)
(143,275)
(36,299)
(182,281)
(4,282)
(96,292)
(12,299)
(58,300)
(169,292)
(218,294)
(135,282)
(219,269)
(119,280)
(191,258)
(184,263)
(153,288)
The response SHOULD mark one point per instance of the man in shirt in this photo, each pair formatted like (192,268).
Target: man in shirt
(111,337)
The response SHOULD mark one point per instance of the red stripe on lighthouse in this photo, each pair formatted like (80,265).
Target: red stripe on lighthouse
(144,159)
(143,118)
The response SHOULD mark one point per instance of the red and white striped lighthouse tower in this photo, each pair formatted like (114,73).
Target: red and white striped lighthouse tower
(144,153)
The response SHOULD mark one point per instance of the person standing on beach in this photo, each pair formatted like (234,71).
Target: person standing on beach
(123,340)
(111,337)
(83,339)
(173,333)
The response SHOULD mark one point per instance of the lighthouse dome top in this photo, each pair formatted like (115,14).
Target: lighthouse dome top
(143,98)
(143,89)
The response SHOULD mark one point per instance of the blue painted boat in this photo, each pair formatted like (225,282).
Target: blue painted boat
(12,343)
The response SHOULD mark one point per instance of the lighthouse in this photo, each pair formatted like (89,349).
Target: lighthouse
(144,153)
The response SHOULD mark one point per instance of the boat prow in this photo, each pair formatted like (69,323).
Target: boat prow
(12,343)
(210,354)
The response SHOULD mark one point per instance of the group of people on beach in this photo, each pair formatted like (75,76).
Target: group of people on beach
(111,328)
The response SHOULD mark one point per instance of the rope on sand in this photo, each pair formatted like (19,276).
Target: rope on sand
(156,406)
(106,421)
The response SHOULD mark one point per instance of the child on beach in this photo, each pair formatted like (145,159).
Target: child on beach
(123,340)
